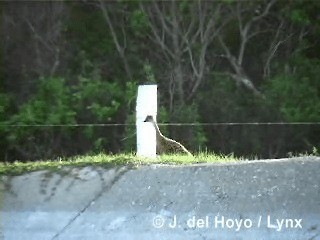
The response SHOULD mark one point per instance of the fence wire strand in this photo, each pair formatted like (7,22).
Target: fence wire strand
(160,124)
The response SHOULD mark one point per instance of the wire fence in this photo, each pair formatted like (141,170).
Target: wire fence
(261,139)
(160,124)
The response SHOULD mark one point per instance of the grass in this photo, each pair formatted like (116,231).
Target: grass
(107,161)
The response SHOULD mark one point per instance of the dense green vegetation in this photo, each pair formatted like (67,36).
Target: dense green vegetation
(214,62)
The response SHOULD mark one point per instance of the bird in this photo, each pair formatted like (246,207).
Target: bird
(165,144)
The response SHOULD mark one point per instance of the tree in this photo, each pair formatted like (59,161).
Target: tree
(120,40)
(33,43)
(183,31)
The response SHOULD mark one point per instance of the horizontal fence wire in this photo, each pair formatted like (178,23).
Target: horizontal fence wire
(160,124)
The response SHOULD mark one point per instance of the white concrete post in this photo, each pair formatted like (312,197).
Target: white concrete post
(146,134)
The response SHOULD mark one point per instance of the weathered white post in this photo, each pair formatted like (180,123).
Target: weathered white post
(146,134)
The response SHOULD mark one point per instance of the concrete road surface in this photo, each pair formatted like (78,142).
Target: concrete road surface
(272,199)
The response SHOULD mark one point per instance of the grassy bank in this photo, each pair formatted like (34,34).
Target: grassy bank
(104,160)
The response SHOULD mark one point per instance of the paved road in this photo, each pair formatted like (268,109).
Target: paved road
(273,199)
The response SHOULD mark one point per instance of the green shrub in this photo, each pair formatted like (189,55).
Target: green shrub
(296,94)
(51,105)
(45,125)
